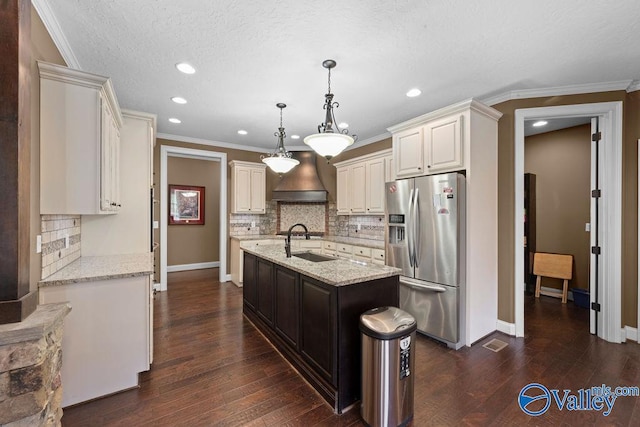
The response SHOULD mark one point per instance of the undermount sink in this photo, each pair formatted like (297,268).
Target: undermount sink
(313,257)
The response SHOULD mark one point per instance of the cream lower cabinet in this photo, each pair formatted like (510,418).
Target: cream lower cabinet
(80,123)
(236,260)
(108,335)
(361,184)
(248,187)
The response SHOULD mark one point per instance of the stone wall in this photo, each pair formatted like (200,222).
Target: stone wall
(30,362)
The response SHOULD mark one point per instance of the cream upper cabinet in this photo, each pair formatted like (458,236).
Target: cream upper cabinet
(408,151)
(343,189)
(432,143)
(357,183)
(79,142)
(375,179)
(443,144)
(361,184)
(248,183)
(389,169)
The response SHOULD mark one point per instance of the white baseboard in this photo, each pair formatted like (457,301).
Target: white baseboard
(228,278)
(630,333)
(194,266)
(507,328)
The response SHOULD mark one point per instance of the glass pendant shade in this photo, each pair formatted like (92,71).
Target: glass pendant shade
(329,142)
(280,161)
(280,164)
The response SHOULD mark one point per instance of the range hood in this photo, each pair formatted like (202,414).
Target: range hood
(302,183)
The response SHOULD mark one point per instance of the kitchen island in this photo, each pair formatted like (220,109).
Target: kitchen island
(310,312)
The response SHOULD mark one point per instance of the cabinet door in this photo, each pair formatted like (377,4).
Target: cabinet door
(258,189)
(443,142)
(342,199)
(357,183)
(389,171)
(265,290)
(105,156)
(408,152)
(242,189)
(374,188)
(287,305)
(114,170)
(318,326)
(249,284)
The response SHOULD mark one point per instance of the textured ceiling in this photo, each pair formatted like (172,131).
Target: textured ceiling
(249,55)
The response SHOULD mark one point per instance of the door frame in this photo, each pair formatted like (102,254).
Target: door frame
(167,151)
(610,114)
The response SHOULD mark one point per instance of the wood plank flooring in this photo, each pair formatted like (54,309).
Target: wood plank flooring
(212,368)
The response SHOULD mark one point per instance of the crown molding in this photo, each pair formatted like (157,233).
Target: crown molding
(634,86)
(210,143)
(560,91)
(371,140)
(55,31)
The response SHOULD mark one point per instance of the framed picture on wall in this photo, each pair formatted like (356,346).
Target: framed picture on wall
(186,205)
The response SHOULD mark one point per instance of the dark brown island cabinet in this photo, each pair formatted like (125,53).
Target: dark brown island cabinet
(314,325)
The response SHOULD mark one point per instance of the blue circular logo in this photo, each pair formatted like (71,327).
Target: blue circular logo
(532,393)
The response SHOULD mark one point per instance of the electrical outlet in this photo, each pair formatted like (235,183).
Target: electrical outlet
(253,224)
(38,243)
(66,241)
(359,227)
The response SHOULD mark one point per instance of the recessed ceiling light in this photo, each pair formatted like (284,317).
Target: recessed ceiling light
(414,92)
(295,136)
(174,120)
(242,132)
(179,100)
(185,68)
(343,125)
(540,123)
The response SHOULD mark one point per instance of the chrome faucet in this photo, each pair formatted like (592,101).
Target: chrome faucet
(287,244)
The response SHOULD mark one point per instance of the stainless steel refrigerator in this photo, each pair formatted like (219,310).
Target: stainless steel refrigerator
(426,239)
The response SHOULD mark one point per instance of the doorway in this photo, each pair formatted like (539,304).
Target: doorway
(189,153)
(605,270)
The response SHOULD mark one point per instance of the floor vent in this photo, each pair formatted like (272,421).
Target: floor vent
(495,345)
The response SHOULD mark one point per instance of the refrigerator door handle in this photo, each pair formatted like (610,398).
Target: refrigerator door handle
(409,227)
(421,287)
(416,238)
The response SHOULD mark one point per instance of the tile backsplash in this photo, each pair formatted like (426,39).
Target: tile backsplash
(371,226)
(240,224)
(312,215)
(54,229)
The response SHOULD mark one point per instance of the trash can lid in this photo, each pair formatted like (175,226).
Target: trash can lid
(387,323)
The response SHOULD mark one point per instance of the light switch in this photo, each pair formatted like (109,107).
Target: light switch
(587,227)
(156,224)
(38,243)
(66,241)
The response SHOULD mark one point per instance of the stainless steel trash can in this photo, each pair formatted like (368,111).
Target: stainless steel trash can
(388,336)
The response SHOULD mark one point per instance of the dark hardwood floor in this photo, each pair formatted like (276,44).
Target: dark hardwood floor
(212,367)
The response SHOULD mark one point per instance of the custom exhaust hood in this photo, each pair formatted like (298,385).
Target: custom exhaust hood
(302,183)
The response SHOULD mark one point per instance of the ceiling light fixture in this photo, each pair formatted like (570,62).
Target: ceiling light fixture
(185,68)
(414,92)
(179,100)
(329,142)
(280,161)
(540,123)
(174,120)
(242,132)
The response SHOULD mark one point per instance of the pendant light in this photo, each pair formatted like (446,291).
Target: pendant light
(280,161)
(329,142)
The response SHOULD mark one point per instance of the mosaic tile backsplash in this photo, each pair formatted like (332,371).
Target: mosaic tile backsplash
(318,217)
(54,228)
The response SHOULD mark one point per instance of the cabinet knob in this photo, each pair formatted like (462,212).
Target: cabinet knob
(419,168)
(428,166)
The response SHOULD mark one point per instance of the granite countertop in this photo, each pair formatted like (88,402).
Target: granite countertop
(368,243)
(337,272)
(93,268)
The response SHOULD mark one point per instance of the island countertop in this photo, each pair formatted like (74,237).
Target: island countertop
(93,268)
(336,272)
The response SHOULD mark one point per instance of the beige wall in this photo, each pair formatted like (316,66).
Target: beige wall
(561,161)
(190,244)
(506,196)
(42,49)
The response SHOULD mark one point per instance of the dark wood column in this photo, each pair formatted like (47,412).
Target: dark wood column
(16,302)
